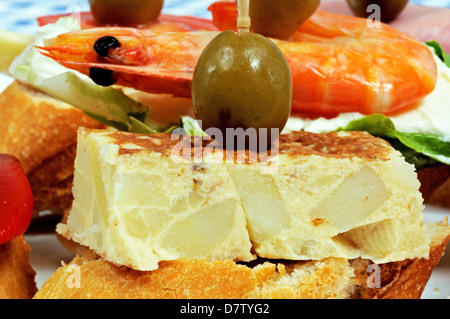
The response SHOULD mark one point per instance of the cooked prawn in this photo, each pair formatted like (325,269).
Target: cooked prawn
(338,64)
(146,61)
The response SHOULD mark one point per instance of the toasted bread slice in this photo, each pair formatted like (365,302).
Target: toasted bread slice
(41,132)
(92,277)
(17,277)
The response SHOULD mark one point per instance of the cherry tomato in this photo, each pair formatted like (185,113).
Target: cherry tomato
(16,199)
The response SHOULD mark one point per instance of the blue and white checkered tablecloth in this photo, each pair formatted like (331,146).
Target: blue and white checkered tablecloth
(19,15)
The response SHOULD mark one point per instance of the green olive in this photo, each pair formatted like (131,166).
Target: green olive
(242,81)
(389,9)
(280,19)
(125,12)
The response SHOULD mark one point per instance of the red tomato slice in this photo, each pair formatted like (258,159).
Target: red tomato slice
(86,19)
(16,199)
(179,23)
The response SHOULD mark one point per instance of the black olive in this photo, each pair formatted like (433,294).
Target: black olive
(105,43)
(389,9)
(102,77)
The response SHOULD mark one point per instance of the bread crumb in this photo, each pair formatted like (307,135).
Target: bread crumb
(281,269)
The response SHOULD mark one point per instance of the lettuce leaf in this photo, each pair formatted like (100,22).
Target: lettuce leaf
(107,105)
(439,52)
(190,126)
(419,149)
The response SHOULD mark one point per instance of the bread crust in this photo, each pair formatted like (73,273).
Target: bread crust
(188,279)
(41,132)
(407,279)
(91,277)
(51,182)
(17,277)
(435,185)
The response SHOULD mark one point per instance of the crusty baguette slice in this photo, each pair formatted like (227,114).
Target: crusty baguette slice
(17,277)
(195,278)
(91,277)
(41,133)
(407,279)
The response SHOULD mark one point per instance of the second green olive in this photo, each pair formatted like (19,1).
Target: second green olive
(125,12)
(280,19)
(242,80)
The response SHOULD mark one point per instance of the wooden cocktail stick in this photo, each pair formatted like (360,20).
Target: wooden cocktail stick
(243,20)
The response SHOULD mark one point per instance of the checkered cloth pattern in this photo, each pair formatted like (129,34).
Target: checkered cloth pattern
(19,15)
